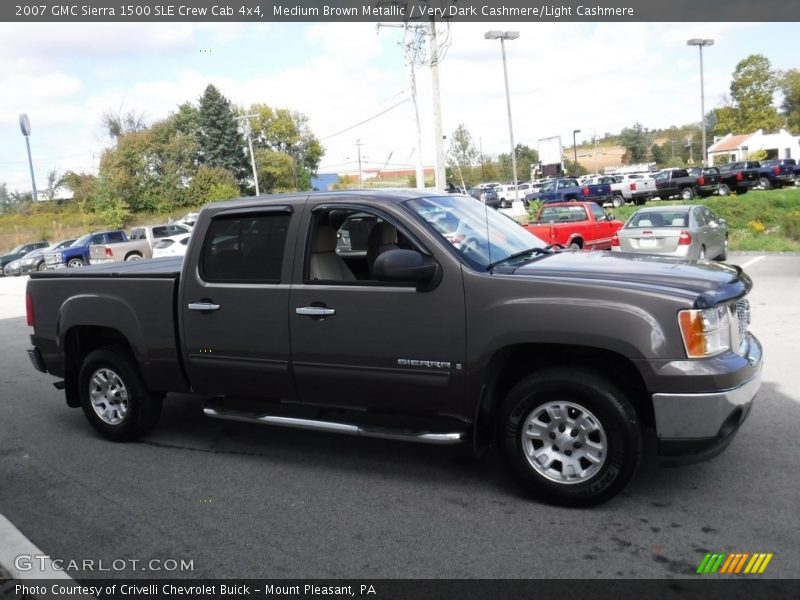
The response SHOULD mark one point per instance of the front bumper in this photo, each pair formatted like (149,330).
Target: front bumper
(692,427)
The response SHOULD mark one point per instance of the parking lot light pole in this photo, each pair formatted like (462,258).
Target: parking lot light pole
(700,42)
(503,36)
(575,150)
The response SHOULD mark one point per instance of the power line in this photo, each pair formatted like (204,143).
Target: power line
(383,112)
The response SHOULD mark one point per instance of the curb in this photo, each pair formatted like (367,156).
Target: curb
(13,544)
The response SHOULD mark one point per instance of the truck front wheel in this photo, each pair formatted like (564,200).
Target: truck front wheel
(570,436)
(114,397)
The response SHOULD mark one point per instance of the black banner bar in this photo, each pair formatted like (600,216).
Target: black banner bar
(397,10)
(702,588)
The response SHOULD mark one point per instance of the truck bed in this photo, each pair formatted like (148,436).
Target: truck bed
(139,305)
(167,267)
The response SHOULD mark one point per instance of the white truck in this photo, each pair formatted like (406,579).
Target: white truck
(635,187)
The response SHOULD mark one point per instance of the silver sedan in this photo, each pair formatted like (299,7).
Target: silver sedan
(690,231)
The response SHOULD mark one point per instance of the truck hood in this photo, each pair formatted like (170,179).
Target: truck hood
(709,282)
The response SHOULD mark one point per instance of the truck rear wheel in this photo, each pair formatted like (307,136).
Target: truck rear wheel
(114,397)
(570,436)
(687,193)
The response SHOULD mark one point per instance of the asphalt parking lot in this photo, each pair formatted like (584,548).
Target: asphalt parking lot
(242,500)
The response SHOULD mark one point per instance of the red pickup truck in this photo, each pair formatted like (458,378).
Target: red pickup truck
(580,225)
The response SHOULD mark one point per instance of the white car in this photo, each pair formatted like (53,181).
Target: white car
(172,246)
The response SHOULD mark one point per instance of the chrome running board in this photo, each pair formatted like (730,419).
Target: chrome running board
(406,435)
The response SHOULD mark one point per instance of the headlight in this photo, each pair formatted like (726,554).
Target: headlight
(59,257)
(705,332)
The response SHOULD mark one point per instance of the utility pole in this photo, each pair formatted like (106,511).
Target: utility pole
(420,168)
(410,56)
(360,174)
(247,118)
(437,106)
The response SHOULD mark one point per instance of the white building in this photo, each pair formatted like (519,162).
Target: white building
(732,148)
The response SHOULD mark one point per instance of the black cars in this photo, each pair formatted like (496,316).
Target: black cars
(708,181)
(19,252)
(487,195)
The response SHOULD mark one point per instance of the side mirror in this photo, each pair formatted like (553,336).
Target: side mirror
(610,216)
(402,265)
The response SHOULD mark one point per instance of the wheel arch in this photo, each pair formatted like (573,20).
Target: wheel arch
(510,364)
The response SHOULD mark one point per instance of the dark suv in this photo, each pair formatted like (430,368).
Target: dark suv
(487,195)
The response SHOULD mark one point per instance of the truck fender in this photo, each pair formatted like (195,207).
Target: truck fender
(110,312)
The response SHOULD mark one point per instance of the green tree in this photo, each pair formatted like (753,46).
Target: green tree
(276,171)
(148,170)
(634,140)
(790,107)
(6,203)
(752,87)
(526,158)
(81,185)
(284,131)
(461,155)
(219,140)
(119,123)
(211,184)
(53,183)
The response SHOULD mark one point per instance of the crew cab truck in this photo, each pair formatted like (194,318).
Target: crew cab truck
(636,188)
(776,172)
(78,254)
(568,360)
(678,182)
(575,225)
(568,188)
(734,177)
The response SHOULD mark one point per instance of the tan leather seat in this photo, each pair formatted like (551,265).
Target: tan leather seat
(382,237)
(325,263)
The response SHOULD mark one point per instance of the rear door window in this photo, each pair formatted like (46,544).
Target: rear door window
(245,249)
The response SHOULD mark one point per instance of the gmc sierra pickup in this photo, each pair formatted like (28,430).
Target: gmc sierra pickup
(450,324)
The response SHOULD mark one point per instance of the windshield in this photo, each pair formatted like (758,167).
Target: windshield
(81,241)
(481,235)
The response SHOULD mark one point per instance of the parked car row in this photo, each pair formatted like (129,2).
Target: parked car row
(170,239)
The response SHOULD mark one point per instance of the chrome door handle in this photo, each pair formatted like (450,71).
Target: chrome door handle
(203,306)
(315,311)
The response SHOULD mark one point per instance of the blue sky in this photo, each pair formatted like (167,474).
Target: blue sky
(563,76)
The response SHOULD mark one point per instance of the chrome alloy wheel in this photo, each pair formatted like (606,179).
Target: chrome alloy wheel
(109,396)
(564,442)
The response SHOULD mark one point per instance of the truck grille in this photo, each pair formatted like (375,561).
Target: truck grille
(740,312)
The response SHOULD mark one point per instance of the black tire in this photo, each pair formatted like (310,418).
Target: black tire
(742,191)
(142,408)
(723,190)
(687,193)
(574,246)
(764,183)
(605,404)
(134,256)
(617,201)
(639,201)
(76,262)
(42,266)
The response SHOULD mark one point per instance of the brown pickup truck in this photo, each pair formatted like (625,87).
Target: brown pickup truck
(567,361)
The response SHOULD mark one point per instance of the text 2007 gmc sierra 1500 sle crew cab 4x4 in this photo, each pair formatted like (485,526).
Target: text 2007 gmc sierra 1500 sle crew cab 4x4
(412,315)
